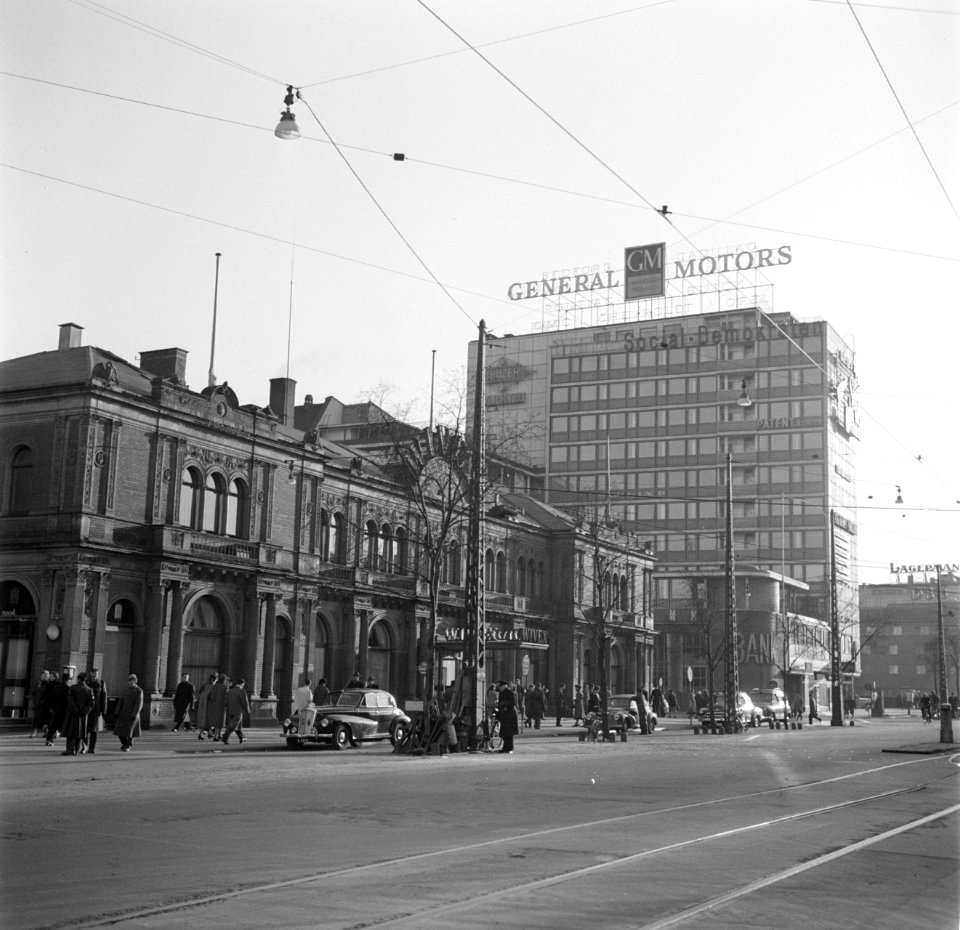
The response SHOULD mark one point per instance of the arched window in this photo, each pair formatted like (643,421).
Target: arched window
(190,491)
(237,509)
(372,545)
(541,574)
(615,592)
(213,504)
(401,553)
(21,481)
(386,548)
(521,577)
(451,564)
(489,576)
(624,594)
(338,539)
(501,573)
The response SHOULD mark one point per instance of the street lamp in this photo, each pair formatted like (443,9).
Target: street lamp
(732,676)
(287,128)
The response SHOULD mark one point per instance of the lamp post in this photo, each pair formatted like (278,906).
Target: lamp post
(732,677)
(836,697)
(946,710)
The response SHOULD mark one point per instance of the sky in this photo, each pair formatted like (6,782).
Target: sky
(537,136)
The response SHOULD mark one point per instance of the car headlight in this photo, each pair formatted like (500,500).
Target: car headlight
(294,728)
(323,723)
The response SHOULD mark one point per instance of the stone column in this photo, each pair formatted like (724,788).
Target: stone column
(251,637)
(269,648)
(155,613)
(175,641)
(364,644)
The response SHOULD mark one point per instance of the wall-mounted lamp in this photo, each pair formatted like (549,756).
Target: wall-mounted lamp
(291,476)
(899,499)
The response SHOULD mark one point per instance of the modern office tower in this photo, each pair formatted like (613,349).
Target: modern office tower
(640,417)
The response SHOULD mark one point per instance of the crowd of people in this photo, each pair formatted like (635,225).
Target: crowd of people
(216,711)
(76,709)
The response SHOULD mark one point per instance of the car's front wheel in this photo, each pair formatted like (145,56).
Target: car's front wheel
(399,732)
(341,736)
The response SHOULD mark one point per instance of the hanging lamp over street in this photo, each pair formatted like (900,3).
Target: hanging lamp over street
(744,399)
(287,128)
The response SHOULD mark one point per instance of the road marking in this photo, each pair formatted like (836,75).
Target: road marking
(796,870)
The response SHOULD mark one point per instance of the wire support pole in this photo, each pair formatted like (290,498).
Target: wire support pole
(732,677)
(836,699)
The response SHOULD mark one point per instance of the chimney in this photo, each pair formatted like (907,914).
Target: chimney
(282,398)
(69,336)
(169,364)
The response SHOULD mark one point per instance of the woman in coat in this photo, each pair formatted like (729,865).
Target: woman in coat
(217,707)
(203,702)
(507,715)
(95,722)
(41,707)
(128,714)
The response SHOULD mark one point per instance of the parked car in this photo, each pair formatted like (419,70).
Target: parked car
(772,704)
(353,716)
(625,705)
(748,714)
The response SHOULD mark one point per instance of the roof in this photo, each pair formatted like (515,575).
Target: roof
(80,365)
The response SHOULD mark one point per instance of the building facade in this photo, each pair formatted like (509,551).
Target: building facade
(638,419)
(149,528)
(900,648)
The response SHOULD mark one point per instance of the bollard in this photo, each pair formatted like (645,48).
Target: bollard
(778,724)
(793,724)
(771,723)
(583,737)
(799,724)
(851,721)
(696,729)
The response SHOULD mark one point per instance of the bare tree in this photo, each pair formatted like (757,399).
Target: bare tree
(710,624)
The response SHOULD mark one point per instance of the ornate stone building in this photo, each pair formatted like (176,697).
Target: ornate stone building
(146,527)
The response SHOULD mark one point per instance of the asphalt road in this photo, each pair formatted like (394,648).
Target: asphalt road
(785,829)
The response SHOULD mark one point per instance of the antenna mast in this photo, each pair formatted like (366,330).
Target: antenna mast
(211,377)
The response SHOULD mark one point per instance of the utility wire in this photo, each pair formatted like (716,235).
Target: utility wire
(533,184)
(903,110)
(124,20)
(386,216)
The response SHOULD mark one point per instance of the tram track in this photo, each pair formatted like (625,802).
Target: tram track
(429,913)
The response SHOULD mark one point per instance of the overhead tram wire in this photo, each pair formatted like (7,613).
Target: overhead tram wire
(385,215)
(124,20)
(903,110)
(523,183)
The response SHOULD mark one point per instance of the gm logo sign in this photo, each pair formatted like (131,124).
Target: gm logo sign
(643,271)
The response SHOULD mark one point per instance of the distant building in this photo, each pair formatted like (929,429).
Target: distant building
(899,633)
(637,417)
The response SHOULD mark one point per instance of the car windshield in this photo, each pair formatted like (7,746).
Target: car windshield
(349,699)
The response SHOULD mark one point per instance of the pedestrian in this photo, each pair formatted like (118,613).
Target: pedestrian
(237,704)
(537,705)
(183,700)
(95,721)
(490,704)
(657,703)
(356,681)
(79,705)
(560,700)
(57,690)
(303,697)
(593,701)
(673,702)
(814,710)
(203,703)
(371,682)
(41,709)
(691,706)
(954,704)
(321,693)
(127,725)
(508,716)
(578,708)
(216,707)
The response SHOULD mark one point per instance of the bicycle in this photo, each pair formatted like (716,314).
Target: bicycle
(488,735)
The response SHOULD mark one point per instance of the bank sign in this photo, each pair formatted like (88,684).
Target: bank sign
(645,272)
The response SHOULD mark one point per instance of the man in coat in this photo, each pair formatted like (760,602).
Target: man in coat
(183,700)
(95,721)
(507,715)
(57,690)
(79,705)
(537,705)
(237,704)
(321,693)
(128,714)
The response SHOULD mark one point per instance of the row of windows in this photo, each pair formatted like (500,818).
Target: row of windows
(653,452)
(622,363)
(213,504)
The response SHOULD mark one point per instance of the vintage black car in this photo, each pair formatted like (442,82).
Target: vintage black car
(352,716)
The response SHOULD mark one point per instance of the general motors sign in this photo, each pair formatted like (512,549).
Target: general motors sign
(643,271)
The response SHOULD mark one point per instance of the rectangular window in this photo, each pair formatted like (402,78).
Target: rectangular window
(894,670)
